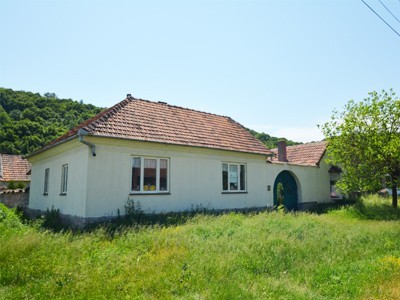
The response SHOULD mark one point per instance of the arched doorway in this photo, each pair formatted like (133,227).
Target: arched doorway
(289,191)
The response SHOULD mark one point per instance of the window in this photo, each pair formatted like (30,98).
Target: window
(46,182)
(150,175)
(334,192)
(64,179)
(233,177)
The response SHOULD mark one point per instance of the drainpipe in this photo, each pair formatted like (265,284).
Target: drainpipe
(81,134)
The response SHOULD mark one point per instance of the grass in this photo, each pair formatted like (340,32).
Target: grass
(347,253)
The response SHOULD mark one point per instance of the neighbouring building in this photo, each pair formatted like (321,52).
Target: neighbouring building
(14,169)
(14,180)
(168,158)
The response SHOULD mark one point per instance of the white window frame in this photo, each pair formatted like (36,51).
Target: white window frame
(157,190)
(238,165)
(46,181)
(64,179)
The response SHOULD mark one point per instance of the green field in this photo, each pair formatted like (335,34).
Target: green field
(347,253)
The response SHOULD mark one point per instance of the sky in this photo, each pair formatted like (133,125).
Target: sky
(279,67)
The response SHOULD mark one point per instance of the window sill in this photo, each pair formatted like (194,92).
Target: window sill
(234,192)
(147,194)
(63,194)
(45,194)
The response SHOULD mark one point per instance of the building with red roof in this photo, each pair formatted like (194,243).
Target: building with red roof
(14,168)
(168,158)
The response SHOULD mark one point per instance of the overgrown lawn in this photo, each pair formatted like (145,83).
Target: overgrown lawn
(343,254)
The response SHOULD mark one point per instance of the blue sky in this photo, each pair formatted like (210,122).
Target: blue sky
(280,67)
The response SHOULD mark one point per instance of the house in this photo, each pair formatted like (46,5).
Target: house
(14,180)
(14,169)
(303,172)
(168,158)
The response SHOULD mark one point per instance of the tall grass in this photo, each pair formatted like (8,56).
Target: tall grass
(268,255)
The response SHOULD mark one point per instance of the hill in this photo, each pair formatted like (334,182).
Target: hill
(28,121)
(271,141)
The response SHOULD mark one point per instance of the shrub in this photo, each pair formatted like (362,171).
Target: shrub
(9,220)
(133,212)
(52,220)
(12,185)
(20,185)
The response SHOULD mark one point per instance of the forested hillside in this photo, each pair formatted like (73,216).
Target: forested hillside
(270,141)
(28,121)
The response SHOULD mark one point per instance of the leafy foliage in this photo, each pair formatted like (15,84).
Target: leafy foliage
(29,121)
(52,220)
(270,141)
(364,140)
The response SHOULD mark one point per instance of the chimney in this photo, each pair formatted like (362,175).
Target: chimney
(282,151)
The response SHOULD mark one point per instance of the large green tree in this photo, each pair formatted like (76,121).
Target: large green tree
(29,121)
(364,139)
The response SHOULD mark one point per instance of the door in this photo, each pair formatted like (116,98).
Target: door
(288,190)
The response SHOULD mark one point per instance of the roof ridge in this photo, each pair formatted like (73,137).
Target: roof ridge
(300,145)
(181,107)
(146,120)
(108,113)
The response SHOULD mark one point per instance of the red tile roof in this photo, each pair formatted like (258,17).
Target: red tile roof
(14,168)
(309,154)
(143,120)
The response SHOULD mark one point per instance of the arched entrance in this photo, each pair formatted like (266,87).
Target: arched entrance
(289,191)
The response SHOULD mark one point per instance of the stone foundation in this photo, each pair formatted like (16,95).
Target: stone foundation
(77,222)
(68,221)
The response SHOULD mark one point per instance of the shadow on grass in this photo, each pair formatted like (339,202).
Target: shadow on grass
(375,208)
(372,207)
(136,219)
(327,207)
(365,208)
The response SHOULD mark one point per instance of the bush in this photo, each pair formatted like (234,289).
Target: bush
(133,212)
(9,220)
(20,185)
(12,185)
(52,220)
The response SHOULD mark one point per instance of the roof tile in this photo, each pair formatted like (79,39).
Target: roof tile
(309,154)
(143,120)
(14,168)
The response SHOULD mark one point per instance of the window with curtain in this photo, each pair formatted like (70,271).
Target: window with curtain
(233,177)
(150,175)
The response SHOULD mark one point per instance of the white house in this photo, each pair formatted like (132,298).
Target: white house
(305,175)
(166,157)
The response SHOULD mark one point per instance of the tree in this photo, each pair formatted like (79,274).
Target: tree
(51,95)
(28,121)
(364,140)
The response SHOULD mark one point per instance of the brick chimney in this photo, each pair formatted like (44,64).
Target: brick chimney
(282,151)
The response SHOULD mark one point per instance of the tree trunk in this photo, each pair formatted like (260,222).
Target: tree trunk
(394,195)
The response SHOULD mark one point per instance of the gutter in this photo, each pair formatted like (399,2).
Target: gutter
(48,147)
(81,134)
